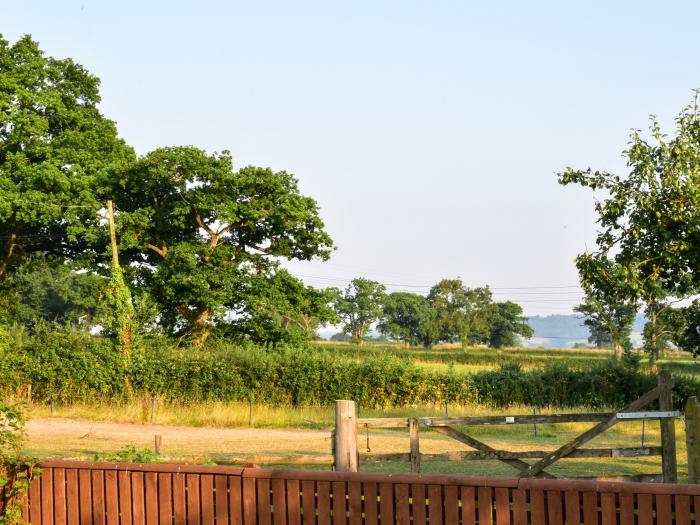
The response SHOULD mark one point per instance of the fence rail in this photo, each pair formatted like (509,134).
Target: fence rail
(78,493)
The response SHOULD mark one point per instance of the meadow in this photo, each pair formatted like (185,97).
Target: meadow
(286,429)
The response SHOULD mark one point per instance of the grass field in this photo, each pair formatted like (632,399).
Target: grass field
(220,432)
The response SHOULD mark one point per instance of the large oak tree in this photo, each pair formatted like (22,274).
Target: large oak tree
(199,231)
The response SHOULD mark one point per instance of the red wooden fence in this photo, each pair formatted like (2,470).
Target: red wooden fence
(76,493)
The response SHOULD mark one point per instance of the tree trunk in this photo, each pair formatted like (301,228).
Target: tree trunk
(617,347)
(200,328)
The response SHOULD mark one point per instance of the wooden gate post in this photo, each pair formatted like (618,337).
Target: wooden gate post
(345,437)
(415,446)
(692,438)
(668,429)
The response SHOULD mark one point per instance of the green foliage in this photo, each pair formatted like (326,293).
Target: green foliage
(54,143)
(608,314)
(43,289)
(650,219)
(77,367)
(129,454)
(280,308)
(201,231)
(410,318)
(506,323)
(461,314)
(16,470)
(359,306)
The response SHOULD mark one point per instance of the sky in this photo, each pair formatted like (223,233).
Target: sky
(430,133)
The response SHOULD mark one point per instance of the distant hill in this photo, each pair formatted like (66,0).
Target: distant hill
(551,331)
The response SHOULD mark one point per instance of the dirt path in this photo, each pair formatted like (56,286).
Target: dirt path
(55,437)
(81,439)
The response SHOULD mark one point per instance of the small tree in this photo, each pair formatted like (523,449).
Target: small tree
(461,314)
(410,318)
(507,323)
(607,314)
(281,308)
(359,306)
(650,219)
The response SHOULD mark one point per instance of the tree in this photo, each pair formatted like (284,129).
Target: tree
(410,318)
(54,144)
(608,315)
(198,232)
(507,323)
(359,306)
(685,328)
(650,219)
(280,308)
(42,289)
(461,314)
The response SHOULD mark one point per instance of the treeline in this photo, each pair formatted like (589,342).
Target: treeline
(76,367)
(450,313)
(176,242)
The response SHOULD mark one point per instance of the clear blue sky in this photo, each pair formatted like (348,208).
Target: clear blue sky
(429,132)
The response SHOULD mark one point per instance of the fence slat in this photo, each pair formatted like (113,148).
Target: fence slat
(682,504)
(264,514)
(485,504)
(193,500)
(626,509)
(85,488)
(502,506)
(435,503)
(608,508)
(386,503)
(554,507)
(151,482)
(572,503)
(59,504)
(249,502)
(46,481)
(323,498)
(519,507)
(451,502)
(418,504)
(354,503)
(370,494)
(537,508)
(293,502)
(98,497)
(644,510)
(590,509)
(179,499)
(165,499)
(403,510)
(339,503)
(138,509)
(235,500)
(112,497)
(206,487)
(663,509)
(308,502)
(221,499)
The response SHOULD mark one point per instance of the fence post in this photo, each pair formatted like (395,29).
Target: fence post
(692,438)
(415,446)
(158,444)
(668,429)
(345,437)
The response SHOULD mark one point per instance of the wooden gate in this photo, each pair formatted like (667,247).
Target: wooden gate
(572,449)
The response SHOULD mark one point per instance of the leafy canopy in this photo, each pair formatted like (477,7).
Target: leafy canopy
(54,143)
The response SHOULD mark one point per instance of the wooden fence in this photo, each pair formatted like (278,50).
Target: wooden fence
(77,493)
